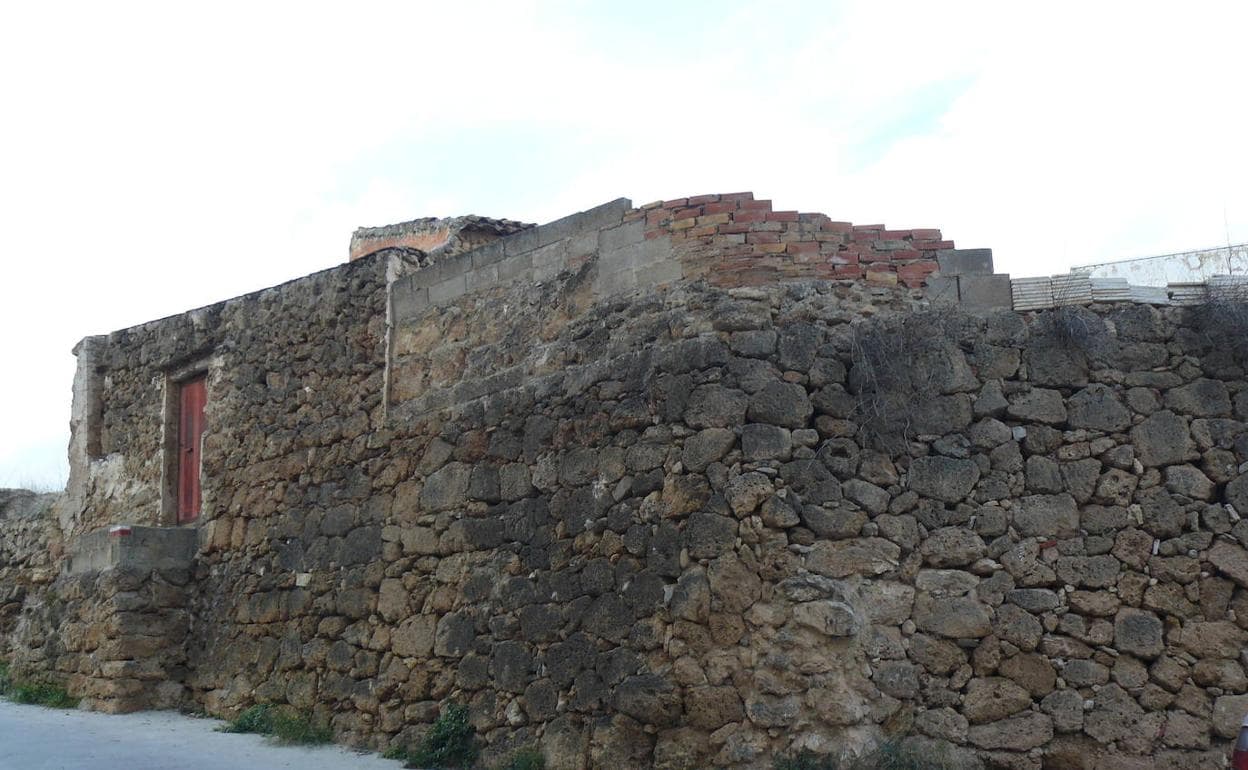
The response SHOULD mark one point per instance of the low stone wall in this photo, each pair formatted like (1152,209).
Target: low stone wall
(111,628)
(29,547)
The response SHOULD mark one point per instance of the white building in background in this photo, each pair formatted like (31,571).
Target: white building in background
(1185,267)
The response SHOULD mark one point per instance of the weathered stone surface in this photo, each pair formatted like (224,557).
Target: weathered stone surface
(993,698)
(707,446)
(952,547)
(713,406)
(1038,405)
(943,478)
(1096,408)
(1163,439)
(1139,633)
(765,442)
(1231,560)
(1202,398)
(781,403)
(828,617)
(1015,734)
(958,617)
(1047,516)
(862,556)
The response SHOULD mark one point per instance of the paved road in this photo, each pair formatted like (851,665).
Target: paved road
(37,738)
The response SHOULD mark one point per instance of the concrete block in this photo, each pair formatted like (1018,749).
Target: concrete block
(658,250)
(600,217)
(668,271)
(627,257)
(597,218)
(551,254)
(622,236)
(407,300)
(482,278)
(614,282)
(583,244)
(443,269)
(981,293)
(965,261)
(515,267)
(448,290)
(518,243)
(942,289)
(489,254)
(136,547)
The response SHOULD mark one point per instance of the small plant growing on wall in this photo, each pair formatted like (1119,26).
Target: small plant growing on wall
(1222,317)
(898,365)
(451,742)
(1070,328)
(281,722)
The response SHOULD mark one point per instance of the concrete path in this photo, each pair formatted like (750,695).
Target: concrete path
(38,738)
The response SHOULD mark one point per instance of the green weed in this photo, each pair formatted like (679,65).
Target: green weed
(451,742)
(281,722)
(525,759)
(41,694)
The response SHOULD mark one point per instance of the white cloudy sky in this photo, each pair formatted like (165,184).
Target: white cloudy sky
(160,156)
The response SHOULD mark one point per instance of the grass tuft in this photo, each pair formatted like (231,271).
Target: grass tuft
(451,742)
(41,694)
(280,722)
(525,759)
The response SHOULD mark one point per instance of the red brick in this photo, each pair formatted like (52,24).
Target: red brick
(875,256)
(864,236)
(737,196)
(658,217)
(751,205)
(838,227)
(932,245)
(894,235)
(652,205)
(652,234)
(684,224)
(877,228)
(676,203)
(926,235)
(722,218)
(700,199)
(719,208)
(782,216)
(750,216)
(899,254)
(763,238)
(701,230)
(735,227)
(770,248)
(843,259)
(685,213)
(803,247)
(847,271)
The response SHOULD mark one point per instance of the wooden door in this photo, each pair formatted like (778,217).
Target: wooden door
(192,397)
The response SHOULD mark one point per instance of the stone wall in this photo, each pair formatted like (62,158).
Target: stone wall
(111,628)
(29,547)
(641,518)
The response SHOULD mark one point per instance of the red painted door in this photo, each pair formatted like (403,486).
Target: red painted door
(192,397)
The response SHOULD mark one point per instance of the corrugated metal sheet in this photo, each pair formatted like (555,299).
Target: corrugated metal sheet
(1072,289)
(1032,293)
(1110,290)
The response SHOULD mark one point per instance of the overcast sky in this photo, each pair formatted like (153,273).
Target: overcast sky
(157,157)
